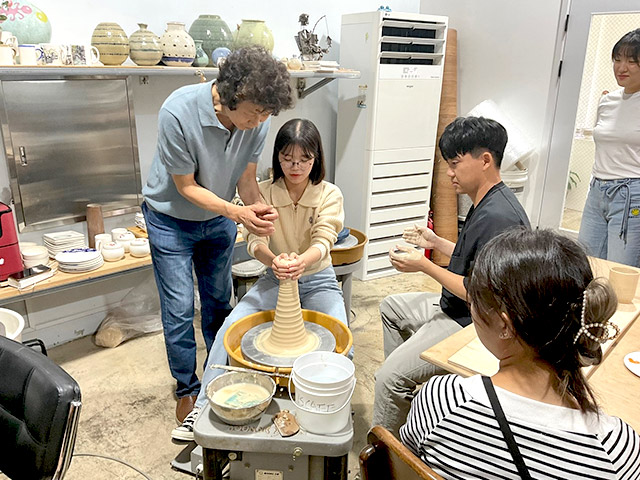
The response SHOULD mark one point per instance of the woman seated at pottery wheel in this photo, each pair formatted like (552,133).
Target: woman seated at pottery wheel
(310,215)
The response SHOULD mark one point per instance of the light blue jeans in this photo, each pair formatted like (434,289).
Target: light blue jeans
(319,291)
(610,227)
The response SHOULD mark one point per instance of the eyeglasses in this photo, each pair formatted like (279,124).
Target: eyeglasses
(289,162)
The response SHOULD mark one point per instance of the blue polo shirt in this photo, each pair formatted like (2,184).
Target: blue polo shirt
(191,139)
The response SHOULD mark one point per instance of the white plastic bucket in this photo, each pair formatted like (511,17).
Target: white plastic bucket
(323,370)
(324,384)
(516,180)
(13,324)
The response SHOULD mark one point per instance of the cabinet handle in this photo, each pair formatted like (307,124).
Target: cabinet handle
(23,156)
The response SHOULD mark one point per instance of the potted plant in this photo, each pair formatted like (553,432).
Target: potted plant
(573,180)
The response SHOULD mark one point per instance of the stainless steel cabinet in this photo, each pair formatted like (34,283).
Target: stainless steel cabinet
(69,142)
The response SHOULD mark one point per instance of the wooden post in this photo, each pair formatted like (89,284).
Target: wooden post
(444,200)
(95,222)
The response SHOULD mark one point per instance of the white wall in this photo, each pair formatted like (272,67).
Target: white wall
(506,53)
(73,21)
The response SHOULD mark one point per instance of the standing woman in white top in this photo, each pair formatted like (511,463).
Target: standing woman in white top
(310,215)
(610,226)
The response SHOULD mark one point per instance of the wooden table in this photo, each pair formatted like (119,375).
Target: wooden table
(61,280)
(616,387)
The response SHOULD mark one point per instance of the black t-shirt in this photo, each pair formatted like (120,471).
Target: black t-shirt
(498,211)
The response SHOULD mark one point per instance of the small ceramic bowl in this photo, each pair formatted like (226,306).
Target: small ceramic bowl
(139,247)
(112,251)
(34,255)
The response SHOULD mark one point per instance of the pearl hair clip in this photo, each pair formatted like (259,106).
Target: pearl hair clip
(609,330)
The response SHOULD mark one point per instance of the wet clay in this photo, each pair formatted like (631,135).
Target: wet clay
(288,337)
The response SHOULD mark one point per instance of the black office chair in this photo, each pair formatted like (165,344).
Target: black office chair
(39,411)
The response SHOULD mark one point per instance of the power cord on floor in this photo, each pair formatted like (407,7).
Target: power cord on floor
(115,460)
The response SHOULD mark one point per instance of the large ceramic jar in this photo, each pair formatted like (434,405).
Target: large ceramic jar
(178,48)
(213,31)
(111,42)
(253,32)
(145,48)
(27,22)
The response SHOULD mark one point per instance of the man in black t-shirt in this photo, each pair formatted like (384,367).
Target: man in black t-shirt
(412,322)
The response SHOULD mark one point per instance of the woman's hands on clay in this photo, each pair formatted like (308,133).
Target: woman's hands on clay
(297,265)
(288,266)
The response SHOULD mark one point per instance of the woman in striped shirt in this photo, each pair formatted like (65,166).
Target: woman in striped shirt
(538,309)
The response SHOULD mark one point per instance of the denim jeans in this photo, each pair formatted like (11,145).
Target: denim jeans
(178,247)
(610,227)
(319,291)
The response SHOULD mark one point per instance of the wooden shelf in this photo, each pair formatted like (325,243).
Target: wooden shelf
(61,280)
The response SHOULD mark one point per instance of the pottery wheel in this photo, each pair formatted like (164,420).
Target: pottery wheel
(251,339)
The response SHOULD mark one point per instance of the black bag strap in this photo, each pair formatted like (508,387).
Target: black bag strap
(506,431)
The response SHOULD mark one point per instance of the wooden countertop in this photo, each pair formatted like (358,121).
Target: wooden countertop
(61,280)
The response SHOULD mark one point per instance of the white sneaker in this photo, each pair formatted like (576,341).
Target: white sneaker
(185,431)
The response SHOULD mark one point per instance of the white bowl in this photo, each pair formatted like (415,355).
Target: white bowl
(34,251)
(13,324)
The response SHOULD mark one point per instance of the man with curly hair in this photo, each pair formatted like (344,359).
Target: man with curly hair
(210,137)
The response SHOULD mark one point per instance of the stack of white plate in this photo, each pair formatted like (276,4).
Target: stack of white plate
(140,222)
(57,242)
(78,260)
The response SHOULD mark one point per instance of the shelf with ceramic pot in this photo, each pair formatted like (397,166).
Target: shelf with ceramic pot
(205,73)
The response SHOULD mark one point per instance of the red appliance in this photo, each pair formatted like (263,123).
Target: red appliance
(10,259)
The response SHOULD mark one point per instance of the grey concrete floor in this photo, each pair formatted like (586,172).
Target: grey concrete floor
(128,402)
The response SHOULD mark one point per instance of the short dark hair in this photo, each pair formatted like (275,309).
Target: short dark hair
(473,135)
(303,133)
(540,279)
(628,46)
(252,75)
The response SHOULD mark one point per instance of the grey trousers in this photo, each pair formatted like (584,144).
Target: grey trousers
(411,323)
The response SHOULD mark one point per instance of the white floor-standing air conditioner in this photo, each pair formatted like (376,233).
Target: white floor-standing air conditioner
(387,125)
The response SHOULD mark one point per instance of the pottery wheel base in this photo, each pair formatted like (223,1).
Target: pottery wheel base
(252,352)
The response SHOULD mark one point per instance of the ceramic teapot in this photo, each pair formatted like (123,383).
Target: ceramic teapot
(139,247)
(112,251)
(125,239)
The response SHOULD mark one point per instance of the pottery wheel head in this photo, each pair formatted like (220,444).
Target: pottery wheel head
(251,345)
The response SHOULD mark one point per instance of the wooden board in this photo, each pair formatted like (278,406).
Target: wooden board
(475,358)
(138,232)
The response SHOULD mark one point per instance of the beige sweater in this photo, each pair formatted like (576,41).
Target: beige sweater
(314,222)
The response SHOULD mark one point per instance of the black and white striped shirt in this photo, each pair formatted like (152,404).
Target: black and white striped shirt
(451,426)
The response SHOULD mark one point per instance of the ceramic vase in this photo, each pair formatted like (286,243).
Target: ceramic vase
(218,55)
(202,59)
(213,31)
(253,32)
(145,48)
(111,42)
(27,22)
(178,48)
